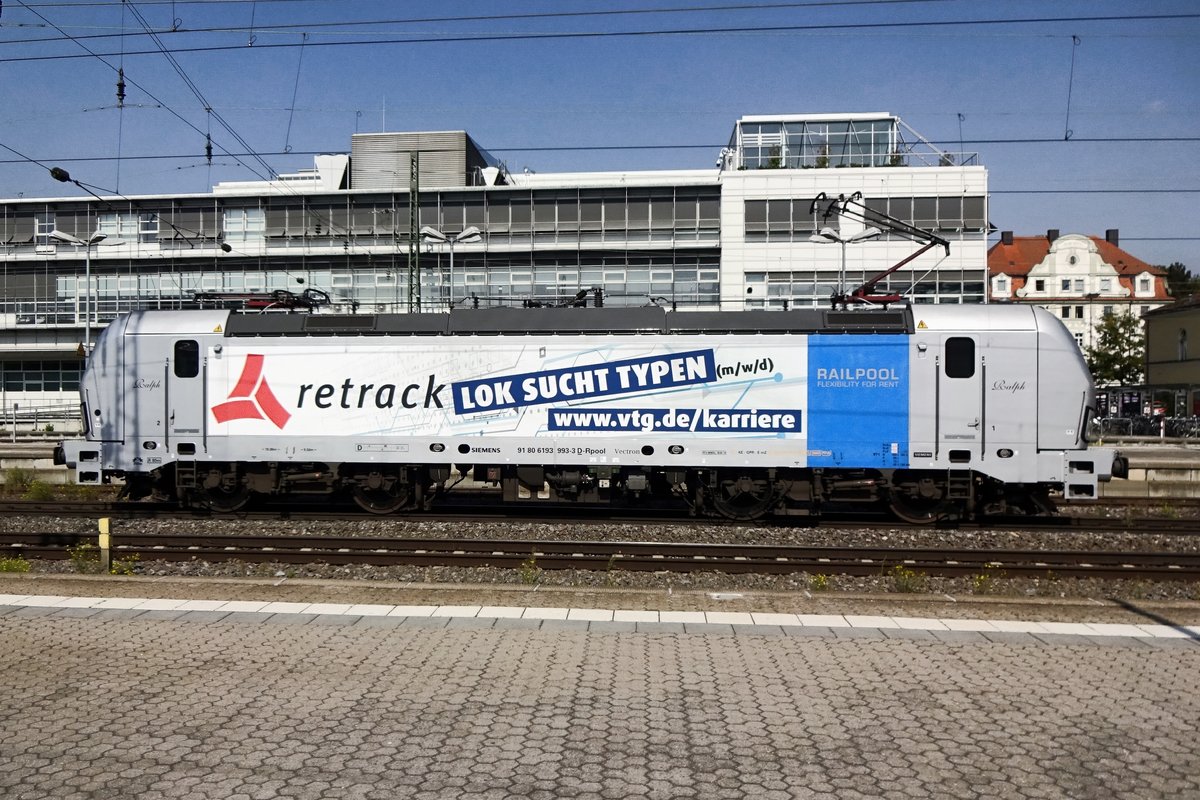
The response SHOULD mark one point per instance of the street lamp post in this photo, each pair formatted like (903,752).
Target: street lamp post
(827,235)
(86,244)
(468,235)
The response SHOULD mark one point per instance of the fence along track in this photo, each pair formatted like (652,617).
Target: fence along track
(1168,427)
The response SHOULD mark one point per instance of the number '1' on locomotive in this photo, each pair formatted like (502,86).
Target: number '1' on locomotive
(929,411)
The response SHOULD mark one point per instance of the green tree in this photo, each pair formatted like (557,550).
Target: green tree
(1118,355)
(1180,281)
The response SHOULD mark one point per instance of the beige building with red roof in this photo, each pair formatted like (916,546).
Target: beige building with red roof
(1080,278)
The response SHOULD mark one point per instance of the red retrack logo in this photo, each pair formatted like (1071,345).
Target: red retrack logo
(252,398)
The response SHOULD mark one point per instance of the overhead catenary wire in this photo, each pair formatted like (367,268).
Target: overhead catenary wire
(148,93)
(1075,42)
(287,147)
(195,89)
(565,35)
(253,29)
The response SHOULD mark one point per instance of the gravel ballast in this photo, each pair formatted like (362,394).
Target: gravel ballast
(989,584)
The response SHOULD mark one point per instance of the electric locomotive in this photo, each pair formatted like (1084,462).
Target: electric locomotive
(929,411)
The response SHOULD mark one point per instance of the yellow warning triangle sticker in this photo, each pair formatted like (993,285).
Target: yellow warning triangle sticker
(218,329)
(921,325)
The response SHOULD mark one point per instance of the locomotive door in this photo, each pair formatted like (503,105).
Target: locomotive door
(184,398)
(959,401)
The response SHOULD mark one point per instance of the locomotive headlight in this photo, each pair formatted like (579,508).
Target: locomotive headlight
(1004,452)
(149,445)
(437,447)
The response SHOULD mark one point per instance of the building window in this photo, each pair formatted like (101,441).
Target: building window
(43,224)
(1108,311)
(39,376)
(1066,284)
(821,144)
(1106,284)
(1066,312)
(1144,285)
(1079,340)
(1002,286)
(1079,284)
(1039,285)
(1078,312)
(243,225)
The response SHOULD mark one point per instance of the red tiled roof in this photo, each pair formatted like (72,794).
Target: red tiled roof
(1027,251)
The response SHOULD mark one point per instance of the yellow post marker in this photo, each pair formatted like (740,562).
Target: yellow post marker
(105,542)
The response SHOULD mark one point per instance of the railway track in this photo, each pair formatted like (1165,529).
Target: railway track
(604,556)
(1122,523)
(1121,520)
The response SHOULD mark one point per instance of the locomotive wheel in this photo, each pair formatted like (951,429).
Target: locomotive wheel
(224,501)
(742,497)
(918,510)
(919,498)
(382,494)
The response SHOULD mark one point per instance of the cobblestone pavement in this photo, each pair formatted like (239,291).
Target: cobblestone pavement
(157,704)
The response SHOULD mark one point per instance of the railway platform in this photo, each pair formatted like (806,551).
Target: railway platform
(273,688)
(1156,469)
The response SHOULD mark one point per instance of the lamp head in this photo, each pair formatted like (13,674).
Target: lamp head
(67,238)
(60,174)
(59,236)
(865,233)
(469,234)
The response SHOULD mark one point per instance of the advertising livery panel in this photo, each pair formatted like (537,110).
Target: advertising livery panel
(818,398)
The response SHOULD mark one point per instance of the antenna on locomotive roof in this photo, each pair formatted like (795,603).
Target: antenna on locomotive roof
(877,223)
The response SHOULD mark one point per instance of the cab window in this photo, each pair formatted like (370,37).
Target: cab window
(960,357)
(187,358)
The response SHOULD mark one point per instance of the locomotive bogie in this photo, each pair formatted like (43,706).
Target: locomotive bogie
(930,412)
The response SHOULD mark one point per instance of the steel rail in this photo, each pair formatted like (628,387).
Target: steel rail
(1185,526)
(627,555)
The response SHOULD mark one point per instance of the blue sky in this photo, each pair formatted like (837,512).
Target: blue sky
(988,83)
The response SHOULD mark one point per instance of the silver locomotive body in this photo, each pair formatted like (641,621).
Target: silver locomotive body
(932,411)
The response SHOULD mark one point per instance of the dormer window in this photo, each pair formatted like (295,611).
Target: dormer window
(1143,285)
(1002,286)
